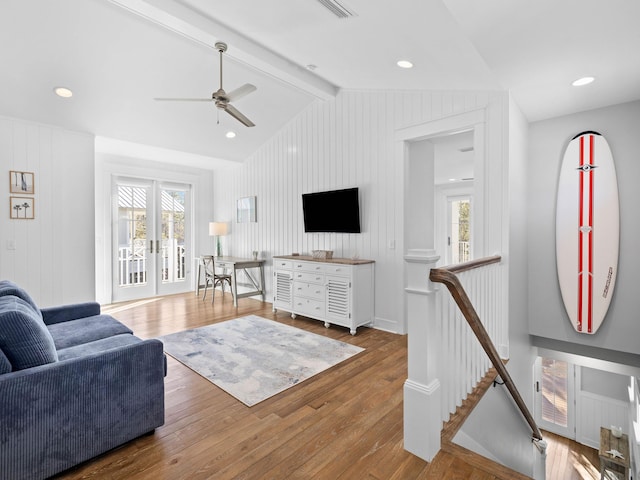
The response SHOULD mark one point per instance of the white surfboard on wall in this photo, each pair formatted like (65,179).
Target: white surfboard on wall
(587,230)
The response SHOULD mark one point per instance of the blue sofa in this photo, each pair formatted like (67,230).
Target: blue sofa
(73,384)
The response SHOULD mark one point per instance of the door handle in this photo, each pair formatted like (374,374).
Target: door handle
(150,246)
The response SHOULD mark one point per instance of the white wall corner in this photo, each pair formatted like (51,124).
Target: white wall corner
(422,422)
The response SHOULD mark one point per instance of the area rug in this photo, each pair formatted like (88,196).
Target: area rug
(253,358)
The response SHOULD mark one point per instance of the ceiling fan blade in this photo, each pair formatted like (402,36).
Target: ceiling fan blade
(240,92)
(231,110)
(184,99)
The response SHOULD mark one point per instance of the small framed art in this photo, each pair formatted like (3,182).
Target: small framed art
(246,210)
(21,182)
(22,208)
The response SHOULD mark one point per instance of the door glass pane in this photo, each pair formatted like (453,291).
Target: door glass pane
(460,235)
(173,235)
(554,391)
(132,235)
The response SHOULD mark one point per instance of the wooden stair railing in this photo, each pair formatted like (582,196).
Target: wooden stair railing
(447,276)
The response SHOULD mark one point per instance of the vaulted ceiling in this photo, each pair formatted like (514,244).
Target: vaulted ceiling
(118,55)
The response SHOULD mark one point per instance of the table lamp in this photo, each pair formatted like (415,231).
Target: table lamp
(218,229)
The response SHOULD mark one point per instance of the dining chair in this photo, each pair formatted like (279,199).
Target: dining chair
(212,278)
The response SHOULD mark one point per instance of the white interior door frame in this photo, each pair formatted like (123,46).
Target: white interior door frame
(474,121)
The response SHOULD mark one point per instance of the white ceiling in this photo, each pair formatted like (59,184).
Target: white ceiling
(117,55)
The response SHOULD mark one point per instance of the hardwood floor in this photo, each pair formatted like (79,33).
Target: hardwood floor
(569,460)
(345,423)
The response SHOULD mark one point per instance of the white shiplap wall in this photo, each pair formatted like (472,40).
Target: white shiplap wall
(54,253)
(595,411)
(345,142)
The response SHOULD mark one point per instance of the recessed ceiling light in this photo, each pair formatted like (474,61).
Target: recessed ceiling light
(452,179)
(63,92)
(230,134)
(583,81)
(404,64)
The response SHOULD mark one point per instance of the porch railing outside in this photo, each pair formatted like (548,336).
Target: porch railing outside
(132,263)
(464,252)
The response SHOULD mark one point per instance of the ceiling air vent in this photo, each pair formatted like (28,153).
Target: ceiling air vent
(337,8)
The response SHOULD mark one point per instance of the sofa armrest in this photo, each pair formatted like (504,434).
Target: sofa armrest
(58,415)
(64,313)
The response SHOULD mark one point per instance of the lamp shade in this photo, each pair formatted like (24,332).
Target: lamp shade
(217,228)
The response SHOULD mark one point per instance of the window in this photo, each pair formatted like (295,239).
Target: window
(555,387)
(460,229)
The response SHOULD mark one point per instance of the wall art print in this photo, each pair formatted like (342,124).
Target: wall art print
(21,182)
(246,210)
(22,208)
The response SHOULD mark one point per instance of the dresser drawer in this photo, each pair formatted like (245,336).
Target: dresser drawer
(311,290)
(309,267)
(336,269)
(309,277)
(306,306)
(284,264)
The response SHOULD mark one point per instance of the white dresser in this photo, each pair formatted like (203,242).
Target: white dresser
(338,291)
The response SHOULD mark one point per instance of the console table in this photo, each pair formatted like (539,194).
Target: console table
(337,291)
(608,463)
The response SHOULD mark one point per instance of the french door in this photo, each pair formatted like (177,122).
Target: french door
(554,396)
(151,238)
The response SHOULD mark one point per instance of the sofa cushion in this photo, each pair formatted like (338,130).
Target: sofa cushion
(24,338)
(7,287)
(97,346)
(85,330)
(64,313)
(5,364)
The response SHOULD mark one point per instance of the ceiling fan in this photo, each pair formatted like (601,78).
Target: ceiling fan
(221,98)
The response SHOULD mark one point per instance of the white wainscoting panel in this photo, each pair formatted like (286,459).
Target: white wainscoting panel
(595,411)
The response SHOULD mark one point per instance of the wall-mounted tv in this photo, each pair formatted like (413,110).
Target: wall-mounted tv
(336,211)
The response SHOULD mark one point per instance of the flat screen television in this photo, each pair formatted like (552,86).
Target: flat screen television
(336,211)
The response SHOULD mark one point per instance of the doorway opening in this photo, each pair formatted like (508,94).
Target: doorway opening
(454,187)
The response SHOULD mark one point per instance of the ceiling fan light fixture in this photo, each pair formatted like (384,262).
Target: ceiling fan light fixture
(230,134)
(582,81)
(222,99)
(404,64)
(63,92)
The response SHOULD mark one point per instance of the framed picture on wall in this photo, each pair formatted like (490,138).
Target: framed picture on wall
(22,208)
(21,182)
(246,210)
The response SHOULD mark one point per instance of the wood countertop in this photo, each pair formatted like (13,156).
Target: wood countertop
(342,261)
